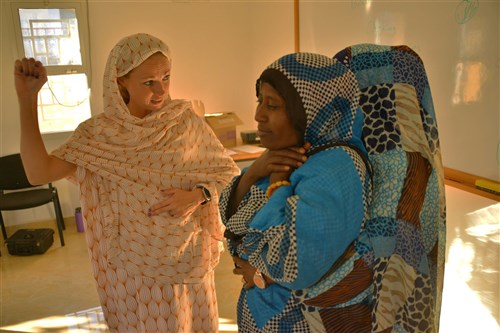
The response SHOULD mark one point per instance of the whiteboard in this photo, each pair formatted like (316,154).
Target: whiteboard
(458,42)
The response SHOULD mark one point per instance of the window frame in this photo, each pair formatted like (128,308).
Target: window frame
(82,19)
(80,8)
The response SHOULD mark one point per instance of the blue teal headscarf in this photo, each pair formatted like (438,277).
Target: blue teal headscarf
(321,96)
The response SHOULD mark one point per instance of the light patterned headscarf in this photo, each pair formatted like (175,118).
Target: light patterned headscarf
(123,164)
(127,54)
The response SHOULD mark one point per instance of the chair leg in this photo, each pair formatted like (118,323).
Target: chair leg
(4,232)
(56,197)
(59,217)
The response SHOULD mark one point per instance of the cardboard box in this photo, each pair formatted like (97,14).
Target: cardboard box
(224,126)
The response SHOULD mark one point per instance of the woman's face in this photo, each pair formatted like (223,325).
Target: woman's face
(147,85)
(274,126)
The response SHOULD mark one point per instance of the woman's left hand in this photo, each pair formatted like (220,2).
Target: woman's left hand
(177,202)
(247,271)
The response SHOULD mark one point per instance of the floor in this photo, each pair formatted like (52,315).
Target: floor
(54,292)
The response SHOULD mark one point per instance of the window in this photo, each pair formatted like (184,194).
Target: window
(57,36)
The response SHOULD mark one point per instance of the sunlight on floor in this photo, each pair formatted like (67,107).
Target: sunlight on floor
(90,320)
(472,286)
(227,325)
(460,302)
(54,324)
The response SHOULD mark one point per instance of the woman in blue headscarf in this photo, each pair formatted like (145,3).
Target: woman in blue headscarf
(294,216)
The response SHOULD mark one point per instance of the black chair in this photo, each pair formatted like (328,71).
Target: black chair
(17,193)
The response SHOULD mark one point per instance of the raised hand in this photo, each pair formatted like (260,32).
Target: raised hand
(29,76)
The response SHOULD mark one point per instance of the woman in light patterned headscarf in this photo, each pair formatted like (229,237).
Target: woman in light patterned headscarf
(149,172)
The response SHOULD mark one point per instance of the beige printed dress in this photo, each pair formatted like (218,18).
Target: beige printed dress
(153,274)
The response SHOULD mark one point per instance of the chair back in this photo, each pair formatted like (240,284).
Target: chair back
(12,174)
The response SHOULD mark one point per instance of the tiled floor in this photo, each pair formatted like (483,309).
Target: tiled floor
(54,292)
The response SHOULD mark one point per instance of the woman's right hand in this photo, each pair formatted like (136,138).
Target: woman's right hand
(282,161)
(278,164)
(29,76)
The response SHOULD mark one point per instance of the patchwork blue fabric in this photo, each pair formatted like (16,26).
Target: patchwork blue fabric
(404,235)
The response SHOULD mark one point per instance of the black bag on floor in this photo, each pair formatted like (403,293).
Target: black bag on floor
(25,242)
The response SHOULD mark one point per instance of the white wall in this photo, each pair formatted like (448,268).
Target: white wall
(218,48)
(469,130)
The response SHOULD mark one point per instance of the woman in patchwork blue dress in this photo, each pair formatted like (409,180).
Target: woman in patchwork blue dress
(294,216)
